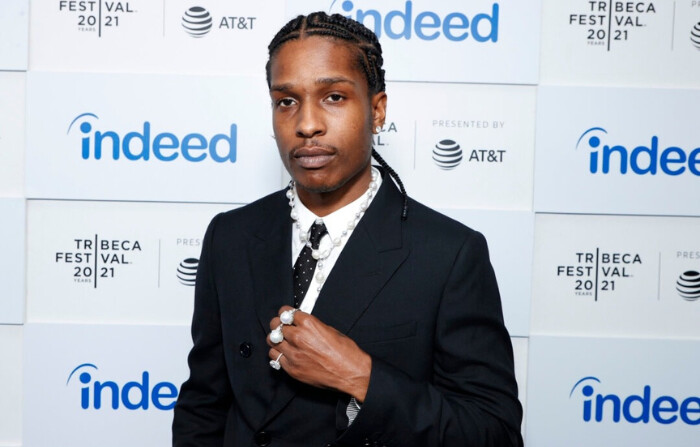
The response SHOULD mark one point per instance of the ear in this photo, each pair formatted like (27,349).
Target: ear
(378,110)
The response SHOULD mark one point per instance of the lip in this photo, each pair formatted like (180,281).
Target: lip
(312,157)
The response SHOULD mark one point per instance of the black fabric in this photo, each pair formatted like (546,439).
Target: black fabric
(305,265)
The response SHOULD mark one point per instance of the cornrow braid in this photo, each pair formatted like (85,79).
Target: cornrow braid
(338,27)
(395,176)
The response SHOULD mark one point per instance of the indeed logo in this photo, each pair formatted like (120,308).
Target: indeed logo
(641,160)
(426,25)
(131,395)
(635,408)
(164,146)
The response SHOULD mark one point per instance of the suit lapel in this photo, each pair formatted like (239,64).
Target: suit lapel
(370,257)
(270,252)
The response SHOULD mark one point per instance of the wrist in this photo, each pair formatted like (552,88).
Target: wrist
(360,380)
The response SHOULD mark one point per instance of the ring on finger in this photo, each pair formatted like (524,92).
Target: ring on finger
(275,364)
(287,317)
(276,335)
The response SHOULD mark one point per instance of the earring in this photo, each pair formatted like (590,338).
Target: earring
(377,129)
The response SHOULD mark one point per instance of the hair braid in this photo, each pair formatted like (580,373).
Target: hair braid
(395,176)
(369,59)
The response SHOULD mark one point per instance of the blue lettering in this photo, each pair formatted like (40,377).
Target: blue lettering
(143,391)
(449,25)
(685,410)
(636,408)
(399,24)
(144,138)
(159,145)
(644,401)
(157,395)
(99,386)
(659,408)
(421,23)
(133,395)
(187,147)
(642,159)
(493,25)
(166,146)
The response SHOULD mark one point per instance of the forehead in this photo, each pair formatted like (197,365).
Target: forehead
(315,57)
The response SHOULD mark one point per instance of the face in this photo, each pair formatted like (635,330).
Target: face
(323,116)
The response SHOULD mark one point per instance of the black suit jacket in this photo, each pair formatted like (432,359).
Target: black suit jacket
(418,295)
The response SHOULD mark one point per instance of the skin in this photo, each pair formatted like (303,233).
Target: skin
(323,119)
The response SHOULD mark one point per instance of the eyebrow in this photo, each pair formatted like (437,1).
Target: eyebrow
(320,81)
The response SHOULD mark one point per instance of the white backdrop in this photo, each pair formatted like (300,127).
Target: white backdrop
(576,125)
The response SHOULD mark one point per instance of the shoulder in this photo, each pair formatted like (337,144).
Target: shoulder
(249,218)
(428,222)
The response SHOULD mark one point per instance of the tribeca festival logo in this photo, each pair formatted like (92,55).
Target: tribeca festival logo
(645,407)
(96,16)
(648,159)
(595,272)
(143,143)
(609,23)
(197,21)
(95,259)
(132,395)
(425,25)
(695,35)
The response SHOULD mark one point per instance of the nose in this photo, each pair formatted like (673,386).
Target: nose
(310,121)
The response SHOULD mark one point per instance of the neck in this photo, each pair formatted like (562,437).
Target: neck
(324,203)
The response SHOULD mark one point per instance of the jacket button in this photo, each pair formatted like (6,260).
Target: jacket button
(245,349)
(263,438)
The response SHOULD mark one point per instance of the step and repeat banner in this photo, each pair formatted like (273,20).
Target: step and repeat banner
(564,131)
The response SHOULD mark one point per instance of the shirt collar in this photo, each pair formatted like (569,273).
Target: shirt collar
(337,221)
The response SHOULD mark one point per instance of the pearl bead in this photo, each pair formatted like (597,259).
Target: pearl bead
(290,193)
(314,254)
(337,242)
(320,277)
(363,205)
(294,214)
(276,336)
(320,264)
(319,221)
(373,185)
(351,225)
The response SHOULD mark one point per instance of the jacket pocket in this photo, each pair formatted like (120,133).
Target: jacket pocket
(363,335)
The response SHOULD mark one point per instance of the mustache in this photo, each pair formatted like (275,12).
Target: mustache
(312,144)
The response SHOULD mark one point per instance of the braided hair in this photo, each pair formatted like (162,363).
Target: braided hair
(369,59)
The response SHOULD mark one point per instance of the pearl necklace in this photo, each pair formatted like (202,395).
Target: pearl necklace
(317,254)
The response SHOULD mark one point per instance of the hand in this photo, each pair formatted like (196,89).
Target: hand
(319,355)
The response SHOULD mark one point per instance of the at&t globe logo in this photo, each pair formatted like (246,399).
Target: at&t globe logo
(447,154)
(187,271)
(410,22)
(197,21)
(138,394)
(647,159)
(695,36)
(688,285)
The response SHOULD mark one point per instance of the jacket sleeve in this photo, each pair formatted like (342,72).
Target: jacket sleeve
(204,399)
(472,397)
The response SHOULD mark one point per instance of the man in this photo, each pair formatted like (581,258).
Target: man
(388,331)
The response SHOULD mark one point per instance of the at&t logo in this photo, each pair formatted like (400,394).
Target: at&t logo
(132,395)
(143,143)
(641,160)
(424,25)
(645,407)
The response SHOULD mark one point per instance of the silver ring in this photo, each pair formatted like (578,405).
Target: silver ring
(275,364)
(276,335)
(287,317)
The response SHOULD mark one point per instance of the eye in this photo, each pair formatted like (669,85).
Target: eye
(284,102)
(335,97)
